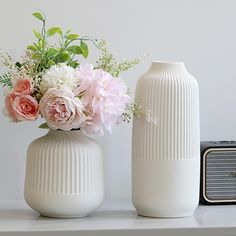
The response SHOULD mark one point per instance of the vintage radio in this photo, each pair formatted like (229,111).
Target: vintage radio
(218,172)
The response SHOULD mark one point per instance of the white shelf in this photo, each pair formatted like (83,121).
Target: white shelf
(117,218)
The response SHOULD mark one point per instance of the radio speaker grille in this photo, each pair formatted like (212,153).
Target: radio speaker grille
(220,175)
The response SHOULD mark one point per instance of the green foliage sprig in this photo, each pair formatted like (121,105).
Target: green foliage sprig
(5,80)
(67,51)
(109,63)
(41,55)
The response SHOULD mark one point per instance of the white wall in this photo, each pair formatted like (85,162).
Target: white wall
(201,33)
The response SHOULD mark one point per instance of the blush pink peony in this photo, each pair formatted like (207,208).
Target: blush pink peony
(61,109)
(23,86)
(104,97)
(23,107)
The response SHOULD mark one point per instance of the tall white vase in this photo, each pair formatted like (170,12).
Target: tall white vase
(64,175)
(166,155)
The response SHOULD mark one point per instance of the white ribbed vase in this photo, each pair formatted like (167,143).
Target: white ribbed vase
(166,155)
(64,175)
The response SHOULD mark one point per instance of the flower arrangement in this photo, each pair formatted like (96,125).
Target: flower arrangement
(51,82)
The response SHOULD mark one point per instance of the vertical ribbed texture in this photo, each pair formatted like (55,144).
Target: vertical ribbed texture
(64,162)
(166,155)
(171,94)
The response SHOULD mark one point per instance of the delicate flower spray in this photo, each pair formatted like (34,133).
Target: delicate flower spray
(51,82)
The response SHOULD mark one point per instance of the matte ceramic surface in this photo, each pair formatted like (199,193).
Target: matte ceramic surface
(64,175)
(166,155)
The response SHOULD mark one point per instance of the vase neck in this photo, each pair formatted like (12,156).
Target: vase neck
(65,133)
(167,66)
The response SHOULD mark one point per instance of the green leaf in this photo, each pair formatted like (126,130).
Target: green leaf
(52,52)
(75,49)
(64,56)
(44,126)
(51,63)
(73,64)
(36,46)
(53,30)
(41,44)
(32,48)
(72,36)
(84,48)
(38,15)
(37,34)
(5,80)
(18,64)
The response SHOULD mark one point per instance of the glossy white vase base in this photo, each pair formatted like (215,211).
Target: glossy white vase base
(166,192)
(64,206)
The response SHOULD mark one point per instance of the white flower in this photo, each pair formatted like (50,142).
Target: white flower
(59,76)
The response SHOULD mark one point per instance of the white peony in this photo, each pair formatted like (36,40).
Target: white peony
(59,76)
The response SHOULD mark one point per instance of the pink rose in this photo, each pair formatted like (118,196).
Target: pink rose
(61,109)
(23,107)
(23,86)
(9,99)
